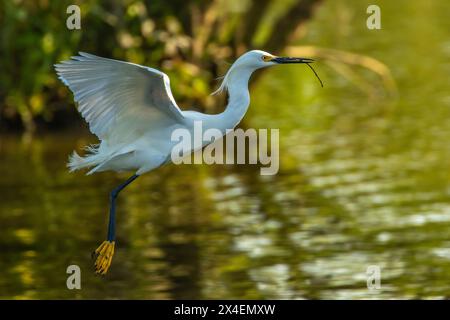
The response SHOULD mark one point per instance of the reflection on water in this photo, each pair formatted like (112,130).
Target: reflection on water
(362,182)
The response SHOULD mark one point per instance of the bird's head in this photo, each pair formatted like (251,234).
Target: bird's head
(257,59)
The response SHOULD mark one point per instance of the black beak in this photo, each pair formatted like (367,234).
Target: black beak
(291,60)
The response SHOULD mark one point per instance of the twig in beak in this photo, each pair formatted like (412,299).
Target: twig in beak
(321,83)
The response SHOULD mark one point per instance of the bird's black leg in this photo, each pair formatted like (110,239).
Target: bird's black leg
(112,207)
(105,252)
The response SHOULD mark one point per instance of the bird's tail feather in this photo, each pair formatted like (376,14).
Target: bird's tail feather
(76,162)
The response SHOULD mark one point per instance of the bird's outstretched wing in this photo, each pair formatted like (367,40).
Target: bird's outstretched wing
(119,99)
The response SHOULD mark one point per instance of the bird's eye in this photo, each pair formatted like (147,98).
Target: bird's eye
(266,58)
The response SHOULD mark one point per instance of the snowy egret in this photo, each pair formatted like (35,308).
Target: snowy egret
(132,111)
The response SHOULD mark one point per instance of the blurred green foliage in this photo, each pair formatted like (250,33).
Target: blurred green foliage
(189,40)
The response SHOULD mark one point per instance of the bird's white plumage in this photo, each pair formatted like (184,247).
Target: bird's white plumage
(132,111)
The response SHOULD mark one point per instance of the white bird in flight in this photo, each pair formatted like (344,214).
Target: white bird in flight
(131,109)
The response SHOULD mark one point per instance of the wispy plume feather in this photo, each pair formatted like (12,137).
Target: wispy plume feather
(224,84)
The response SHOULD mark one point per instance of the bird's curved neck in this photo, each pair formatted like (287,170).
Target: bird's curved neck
(238,99)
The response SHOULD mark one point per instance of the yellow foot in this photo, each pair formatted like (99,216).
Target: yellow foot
(103,257)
